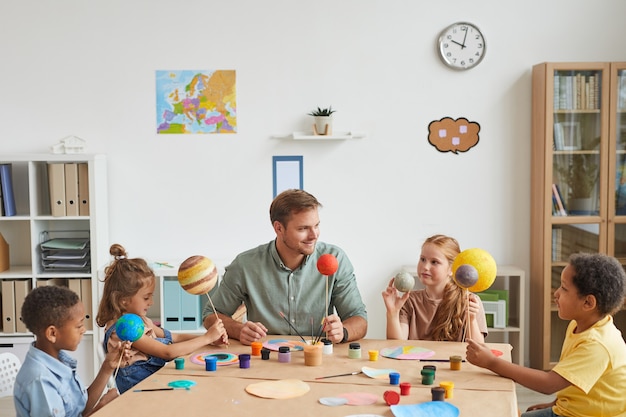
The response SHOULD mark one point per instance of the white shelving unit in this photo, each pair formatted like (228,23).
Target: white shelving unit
(512,279)
(23,234)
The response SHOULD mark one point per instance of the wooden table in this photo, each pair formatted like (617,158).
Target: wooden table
(476,390)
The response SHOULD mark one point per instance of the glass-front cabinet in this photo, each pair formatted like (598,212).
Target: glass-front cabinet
(578,184)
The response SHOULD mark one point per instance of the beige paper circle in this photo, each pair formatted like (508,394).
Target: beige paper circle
(282,389)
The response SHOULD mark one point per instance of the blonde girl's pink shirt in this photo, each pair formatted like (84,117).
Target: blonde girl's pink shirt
(419,310)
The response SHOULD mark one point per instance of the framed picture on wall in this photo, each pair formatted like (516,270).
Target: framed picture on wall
(287,173)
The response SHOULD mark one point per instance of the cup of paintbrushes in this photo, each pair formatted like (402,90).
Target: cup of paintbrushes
(313,354)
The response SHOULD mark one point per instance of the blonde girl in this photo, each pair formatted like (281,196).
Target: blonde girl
(440,310)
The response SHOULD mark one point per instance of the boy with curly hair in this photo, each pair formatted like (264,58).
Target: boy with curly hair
(590,377)
(47,383)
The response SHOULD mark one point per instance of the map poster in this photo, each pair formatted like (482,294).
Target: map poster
(196,101)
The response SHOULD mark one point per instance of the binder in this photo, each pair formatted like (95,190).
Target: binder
(8,306)
(1,200)
(56,183)
(74,285)
(85,296)
(22,288)
(6,183)
(171,304)
(5,260)
(189,310)
(71,189)
(83,189)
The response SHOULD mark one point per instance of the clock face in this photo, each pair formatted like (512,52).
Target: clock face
(461,46)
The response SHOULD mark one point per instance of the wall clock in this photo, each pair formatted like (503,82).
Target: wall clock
(461,46)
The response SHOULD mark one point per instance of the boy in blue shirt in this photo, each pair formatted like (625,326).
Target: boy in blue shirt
(47,383)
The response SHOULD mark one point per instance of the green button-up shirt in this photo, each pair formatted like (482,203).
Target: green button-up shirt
(259,279)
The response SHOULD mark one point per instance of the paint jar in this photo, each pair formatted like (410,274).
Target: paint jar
(428,376)
(438,393)
(373,354)
(455,362)
(433,367)
(313,355)
(394,378)
(265,354)
(405,388)
(179,363)
(354,352)
(210,363)
(328,347)
(244,360)
(284,354)
(391,397)
(256,348)
(448,386)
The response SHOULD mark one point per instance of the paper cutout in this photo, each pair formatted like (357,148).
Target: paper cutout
(223,358)
(427,409)
(333,401)
(407,352)
(377,373)
(359,398)
(274,344)
(282,389)
(496,352)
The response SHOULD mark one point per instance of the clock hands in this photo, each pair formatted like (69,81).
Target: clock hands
(464,38)
(462,45)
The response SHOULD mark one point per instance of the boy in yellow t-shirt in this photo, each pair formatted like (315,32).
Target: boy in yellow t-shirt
(590,377)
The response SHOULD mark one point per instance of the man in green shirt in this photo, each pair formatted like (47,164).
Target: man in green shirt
(282,276)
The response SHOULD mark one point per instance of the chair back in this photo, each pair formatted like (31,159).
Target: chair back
(9,365)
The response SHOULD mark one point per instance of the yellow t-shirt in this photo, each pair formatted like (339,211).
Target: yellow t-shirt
(594,361)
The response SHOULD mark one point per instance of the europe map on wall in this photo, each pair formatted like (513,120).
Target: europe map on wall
(196,101)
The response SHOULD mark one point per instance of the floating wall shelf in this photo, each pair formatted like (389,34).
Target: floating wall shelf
(311,136)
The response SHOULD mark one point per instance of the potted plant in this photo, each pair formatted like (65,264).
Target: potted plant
(581,177)
(323,120)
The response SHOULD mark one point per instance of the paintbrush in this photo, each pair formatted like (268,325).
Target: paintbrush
(319,333)
(159,389)
(333,376)
(290,325)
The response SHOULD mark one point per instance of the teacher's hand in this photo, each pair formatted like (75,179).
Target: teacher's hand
(333,328)
(252,332)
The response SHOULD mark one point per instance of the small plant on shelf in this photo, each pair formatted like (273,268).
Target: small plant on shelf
(322,112)
(323,125)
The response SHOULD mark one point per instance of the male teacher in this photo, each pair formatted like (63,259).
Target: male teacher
(282,277)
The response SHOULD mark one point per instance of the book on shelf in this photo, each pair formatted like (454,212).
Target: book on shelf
(576,92)
(556,194)
(557,241)
(6,183)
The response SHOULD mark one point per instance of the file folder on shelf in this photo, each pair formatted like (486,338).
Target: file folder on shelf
(22,288)
(85,296)
(171,304)
(71,189)
(83,189)
(56,184)
(4,254)
(6,183)
(8,306)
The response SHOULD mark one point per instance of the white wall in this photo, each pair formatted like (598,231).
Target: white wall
(86,68)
